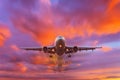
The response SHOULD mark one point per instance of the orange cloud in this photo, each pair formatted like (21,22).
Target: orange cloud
(39,59)
(47,34)
(111,79)
(106,48)
(4,34)
(110,25)
(21,67)
(112,4)
(42,24)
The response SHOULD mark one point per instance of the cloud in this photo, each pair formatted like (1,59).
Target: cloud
(113,77)
(21,67)
(47,2)
(31,63)
(45,22)
(38,59)
(14,47)
(86,22)
(112,4)
(99,22)
(4,34)
(106,49)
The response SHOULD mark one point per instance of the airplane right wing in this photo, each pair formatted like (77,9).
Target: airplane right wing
(44,49)
(31,48)
(87,48)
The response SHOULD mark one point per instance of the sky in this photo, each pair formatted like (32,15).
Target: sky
(36,23)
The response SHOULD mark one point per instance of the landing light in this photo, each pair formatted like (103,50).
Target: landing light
(53,50)
(60,45)
(67,50)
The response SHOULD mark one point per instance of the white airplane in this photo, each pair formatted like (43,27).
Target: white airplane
(60,49)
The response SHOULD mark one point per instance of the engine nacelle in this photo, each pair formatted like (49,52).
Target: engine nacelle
(75,48)
(45,49)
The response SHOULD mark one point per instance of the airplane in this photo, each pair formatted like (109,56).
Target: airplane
(60,48)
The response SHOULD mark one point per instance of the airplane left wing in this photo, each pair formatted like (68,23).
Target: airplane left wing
(88,48)
(75,49)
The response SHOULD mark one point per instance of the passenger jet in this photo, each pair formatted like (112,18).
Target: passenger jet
(60,48)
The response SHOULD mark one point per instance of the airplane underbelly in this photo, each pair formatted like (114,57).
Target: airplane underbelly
(60,52)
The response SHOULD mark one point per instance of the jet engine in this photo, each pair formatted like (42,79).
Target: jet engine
(45,49)
(75,48)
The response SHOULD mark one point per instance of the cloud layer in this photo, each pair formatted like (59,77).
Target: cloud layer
(29,23)
(44,21)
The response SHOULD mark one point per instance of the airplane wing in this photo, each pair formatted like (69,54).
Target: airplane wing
(75,49)
(88,48)
(44,49)
(31,48)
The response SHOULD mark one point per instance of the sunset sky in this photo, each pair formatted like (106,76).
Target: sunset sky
(36,23)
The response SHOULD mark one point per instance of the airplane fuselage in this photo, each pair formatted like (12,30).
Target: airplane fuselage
(60,45)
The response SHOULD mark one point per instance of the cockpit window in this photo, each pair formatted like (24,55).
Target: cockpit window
(59,37)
